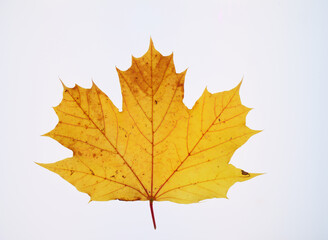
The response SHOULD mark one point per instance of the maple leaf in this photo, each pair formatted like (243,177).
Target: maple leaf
(155,149)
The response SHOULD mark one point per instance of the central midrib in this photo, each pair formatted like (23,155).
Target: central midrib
(152,123)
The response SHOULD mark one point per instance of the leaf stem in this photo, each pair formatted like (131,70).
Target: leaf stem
(152,212)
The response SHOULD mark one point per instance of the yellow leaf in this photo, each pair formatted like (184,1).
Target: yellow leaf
(156,149)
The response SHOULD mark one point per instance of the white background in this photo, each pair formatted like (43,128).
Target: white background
(278,46)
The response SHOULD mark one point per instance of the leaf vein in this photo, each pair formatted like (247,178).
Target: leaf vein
(110,180)
(189,153)
(121,156)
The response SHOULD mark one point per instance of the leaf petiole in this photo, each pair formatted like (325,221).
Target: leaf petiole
(152,212)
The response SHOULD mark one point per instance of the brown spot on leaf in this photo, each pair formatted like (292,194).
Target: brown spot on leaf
(244,173)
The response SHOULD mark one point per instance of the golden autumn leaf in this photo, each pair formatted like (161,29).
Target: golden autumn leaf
(155,149)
